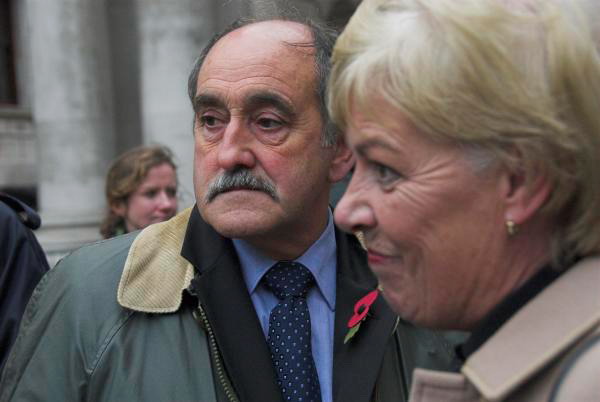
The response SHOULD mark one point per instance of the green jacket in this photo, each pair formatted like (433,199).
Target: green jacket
(119,321)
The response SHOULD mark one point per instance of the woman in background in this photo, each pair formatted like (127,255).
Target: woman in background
(141,189)
(476,128)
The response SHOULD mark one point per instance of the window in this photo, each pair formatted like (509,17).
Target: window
(8,91)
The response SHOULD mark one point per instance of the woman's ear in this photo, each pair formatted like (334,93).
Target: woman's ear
(525,192)
(119,208)
(342,162)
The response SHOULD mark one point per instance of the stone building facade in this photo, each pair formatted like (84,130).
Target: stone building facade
(83,80)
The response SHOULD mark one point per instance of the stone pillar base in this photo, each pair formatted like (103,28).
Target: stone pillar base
(58,237)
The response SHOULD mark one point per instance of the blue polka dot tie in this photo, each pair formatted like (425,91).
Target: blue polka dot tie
(289,332)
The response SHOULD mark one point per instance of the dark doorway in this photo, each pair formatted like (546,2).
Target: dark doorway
(8,87)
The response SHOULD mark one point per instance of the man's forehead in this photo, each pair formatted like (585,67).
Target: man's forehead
(260,38)
(273,30)
(277,53)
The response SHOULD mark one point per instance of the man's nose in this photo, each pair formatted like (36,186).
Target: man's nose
(235,148)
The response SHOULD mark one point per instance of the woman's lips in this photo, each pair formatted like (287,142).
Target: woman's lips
(376,258)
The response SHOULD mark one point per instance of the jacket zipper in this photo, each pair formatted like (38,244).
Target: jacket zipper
(214,351)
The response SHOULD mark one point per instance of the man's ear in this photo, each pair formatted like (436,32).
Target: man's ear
(524,194)
(342,162)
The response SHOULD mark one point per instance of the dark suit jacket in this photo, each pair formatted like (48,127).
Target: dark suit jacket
(358,370)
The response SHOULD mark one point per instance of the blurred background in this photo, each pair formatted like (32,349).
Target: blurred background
(82,81)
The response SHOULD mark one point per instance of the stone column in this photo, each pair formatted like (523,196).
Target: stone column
(73,117)
(123,37)
(315,9)
(230,10)
(172,34)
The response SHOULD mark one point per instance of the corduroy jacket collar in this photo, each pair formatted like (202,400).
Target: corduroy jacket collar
(155,273)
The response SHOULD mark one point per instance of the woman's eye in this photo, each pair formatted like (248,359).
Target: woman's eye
(171,192)
(150,193)
(384,174)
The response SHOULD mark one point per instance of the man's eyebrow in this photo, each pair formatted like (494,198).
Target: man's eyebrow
(266,98)
(206,100)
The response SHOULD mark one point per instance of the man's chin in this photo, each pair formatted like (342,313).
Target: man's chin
(234,220)
(239,228)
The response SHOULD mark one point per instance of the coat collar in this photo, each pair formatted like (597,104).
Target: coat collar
(155,274)
(559,316)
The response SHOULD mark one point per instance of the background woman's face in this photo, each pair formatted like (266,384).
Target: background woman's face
(155,200)
(433,227)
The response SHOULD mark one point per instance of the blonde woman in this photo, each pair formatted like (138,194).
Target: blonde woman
(476,128)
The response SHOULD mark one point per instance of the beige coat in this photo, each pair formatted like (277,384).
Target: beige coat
(548,351)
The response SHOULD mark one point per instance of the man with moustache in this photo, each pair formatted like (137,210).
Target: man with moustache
(202,301)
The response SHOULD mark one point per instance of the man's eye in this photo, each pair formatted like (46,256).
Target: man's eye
(269,124)
(208,121)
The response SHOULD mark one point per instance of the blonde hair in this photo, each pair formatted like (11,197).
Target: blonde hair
(518,80)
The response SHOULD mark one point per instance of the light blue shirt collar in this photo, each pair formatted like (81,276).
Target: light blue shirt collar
(319,259)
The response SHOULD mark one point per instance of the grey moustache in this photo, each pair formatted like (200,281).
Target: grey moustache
(240,179)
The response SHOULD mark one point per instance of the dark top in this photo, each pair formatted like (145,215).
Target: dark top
(506,309)
(22,264)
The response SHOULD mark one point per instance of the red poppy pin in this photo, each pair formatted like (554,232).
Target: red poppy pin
(361,309)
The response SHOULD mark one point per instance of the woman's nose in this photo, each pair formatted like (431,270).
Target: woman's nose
(353,212)
(166,201)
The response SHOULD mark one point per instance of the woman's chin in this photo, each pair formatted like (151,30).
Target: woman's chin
(402,306)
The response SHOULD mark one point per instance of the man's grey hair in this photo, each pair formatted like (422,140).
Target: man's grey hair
(323,40)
